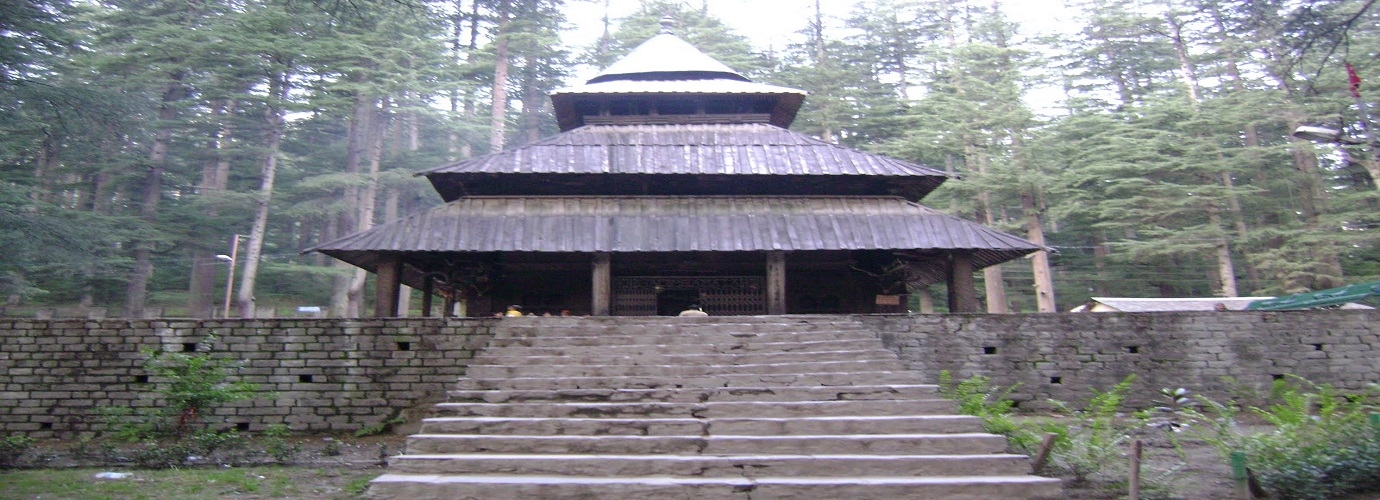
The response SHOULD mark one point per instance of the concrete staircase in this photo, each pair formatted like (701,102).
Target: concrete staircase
(808,407)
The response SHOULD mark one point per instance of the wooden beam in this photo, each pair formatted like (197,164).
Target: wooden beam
(776,282)
(387,286)
(602,283)
(428,291)
(962,286)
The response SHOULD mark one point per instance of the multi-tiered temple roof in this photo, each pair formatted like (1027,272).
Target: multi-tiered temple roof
(673,168)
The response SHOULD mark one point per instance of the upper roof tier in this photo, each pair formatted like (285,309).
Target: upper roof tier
(681,160)
(667,80)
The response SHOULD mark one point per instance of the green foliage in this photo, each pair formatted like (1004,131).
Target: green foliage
(277,446)
(195,383)
(381,427)
(13,448)
(1093,443)
(187,386)
(978,397)
(1321,444)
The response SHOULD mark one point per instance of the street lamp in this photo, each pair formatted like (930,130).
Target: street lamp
(230,278)
(1325,136)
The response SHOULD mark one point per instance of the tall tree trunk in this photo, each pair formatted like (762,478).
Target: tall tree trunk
(136,293)
(348,220)
(368,200)
(214,179)
(499,110)
(274,114)
(993,281)
(1035,232)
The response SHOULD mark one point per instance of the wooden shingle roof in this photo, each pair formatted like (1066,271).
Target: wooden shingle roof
(678,224)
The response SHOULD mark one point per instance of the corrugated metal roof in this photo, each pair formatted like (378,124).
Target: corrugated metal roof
(734,149)
(679,224)
(713,86)
(665,53)
(1143,304)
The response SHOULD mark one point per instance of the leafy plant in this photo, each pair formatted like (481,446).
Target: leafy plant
(380,428)
(276,445)
(1095,440)
(1321,445)
(13,448)
(195,383)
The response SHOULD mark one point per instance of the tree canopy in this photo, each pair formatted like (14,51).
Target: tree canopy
(139,137)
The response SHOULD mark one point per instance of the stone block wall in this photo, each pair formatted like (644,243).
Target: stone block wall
(1064,356)
(344,375)
(328,374)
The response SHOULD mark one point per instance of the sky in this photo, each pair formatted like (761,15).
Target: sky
(774,23)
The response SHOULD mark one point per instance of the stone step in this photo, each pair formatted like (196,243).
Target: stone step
(606,465)
(414,486)
(750,426)
(725,380)
(646,370)
(850,444)
(712,409)
(552,339)
(579,347)
(809,393)
(519,357)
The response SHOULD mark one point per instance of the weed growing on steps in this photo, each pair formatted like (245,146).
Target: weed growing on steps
(1322,444)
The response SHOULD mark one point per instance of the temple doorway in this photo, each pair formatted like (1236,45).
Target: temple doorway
(672,302)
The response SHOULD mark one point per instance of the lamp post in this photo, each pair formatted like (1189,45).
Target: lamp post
(1331,136)
(230,278)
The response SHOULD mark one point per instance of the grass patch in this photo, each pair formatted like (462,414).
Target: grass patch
(255,482)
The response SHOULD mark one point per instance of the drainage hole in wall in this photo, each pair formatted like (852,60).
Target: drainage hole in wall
(1317,347)
(242,426)
(47,426)
(989,350)
(304,378)
(404,346)
(141,379)
(1276,376)
(1133,349)
(1056,380)
(189,347)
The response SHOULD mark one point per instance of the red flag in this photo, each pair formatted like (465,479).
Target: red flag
(1355,80)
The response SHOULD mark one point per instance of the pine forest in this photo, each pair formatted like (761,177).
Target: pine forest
(152,147)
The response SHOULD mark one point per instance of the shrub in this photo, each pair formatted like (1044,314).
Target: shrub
(1321,446)
(13,448)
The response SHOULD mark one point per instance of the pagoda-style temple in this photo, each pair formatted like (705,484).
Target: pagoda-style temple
(674,180)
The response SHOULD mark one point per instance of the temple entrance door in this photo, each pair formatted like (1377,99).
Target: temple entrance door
(668,295)
(672,302)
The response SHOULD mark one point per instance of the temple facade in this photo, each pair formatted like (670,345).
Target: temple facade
(675,181)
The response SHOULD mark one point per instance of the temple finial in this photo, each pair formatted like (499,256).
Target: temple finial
(667,22)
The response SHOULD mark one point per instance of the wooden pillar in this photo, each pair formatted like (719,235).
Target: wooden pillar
(386,287)
(602,282)
(926,300)
(776,282)
(448,308)
(428,291)
(962,287)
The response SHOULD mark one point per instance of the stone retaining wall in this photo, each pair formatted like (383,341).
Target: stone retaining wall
(343,375)
(1063,356)
(329,374)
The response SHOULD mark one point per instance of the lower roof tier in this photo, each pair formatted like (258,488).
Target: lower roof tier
(679,224)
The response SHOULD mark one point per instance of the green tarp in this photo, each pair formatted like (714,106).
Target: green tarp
(1321,298)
